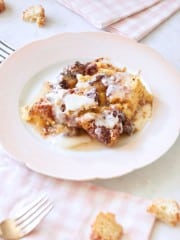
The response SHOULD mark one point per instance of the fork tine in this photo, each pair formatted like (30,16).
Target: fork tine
(2,56)
(7,46)
(33,214)
(5,51)
(30,208)
(35,219)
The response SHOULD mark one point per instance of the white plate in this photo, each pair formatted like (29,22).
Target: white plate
(22,74)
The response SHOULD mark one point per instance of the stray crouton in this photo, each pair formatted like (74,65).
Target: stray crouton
(167,211)
(105,227)
(35,14)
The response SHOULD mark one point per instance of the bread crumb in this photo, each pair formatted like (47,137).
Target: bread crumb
(35,14)
(167,211)
(105,227)
(2,6)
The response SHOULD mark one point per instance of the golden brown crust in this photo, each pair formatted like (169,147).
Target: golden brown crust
(2,6)
(167,211)
(41,115)
(105,227)
(35,14)
(104,134)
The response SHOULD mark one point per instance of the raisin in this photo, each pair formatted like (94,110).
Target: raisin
(114,113)
(103,135)
(128,128)
(67,80)
(77,68)
(91,69)
(63,84)
(121,116)
(63,107)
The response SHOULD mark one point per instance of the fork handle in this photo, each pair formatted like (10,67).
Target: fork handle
(0,231)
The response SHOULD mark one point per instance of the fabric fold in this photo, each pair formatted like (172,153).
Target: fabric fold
(134,19)
(105,12)
(139,25)
(76,204)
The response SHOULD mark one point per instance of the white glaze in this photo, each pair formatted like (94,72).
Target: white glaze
(75,102)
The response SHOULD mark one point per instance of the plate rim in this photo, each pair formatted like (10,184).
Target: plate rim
(93,33)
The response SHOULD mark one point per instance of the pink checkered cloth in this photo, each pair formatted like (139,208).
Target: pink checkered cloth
(139,25)
(105,12)
(134,19)
(76,204)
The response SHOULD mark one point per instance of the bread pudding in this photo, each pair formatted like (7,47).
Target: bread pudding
(94,98)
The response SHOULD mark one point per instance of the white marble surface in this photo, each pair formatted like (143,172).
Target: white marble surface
(160,179)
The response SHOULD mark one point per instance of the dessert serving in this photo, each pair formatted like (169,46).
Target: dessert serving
(94,98)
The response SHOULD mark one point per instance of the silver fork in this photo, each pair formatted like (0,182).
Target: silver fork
(29,217)
(5,51)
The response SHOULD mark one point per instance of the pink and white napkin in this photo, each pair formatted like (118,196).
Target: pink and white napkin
(105,12)
(139,25)
(76,204)
(134,19)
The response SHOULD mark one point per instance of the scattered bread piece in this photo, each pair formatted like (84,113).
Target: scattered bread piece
(2,6)
(105,227)
(35,14)
(167,211)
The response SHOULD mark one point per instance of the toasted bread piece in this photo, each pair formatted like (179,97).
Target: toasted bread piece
(105,227)
(106,127)
(2,6)
(35,14)
(167,211)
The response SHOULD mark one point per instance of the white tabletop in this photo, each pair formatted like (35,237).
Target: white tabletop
(160,179)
